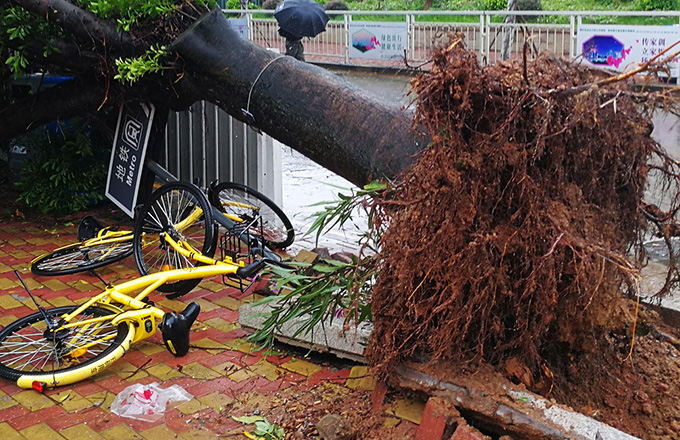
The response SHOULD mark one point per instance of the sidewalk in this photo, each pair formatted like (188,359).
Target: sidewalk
(222,371)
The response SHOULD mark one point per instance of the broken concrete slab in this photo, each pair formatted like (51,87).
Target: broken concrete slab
(509,411)
(327,336)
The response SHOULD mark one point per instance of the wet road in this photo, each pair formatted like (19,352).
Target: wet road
(305,183)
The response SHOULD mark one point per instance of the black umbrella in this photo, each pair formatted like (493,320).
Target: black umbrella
(301,18)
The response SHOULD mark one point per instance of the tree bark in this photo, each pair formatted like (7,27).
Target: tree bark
(329,120)
(509,32)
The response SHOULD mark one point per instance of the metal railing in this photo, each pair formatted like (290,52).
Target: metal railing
(483,32)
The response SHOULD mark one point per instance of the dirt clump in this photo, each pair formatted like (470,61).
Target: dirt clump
(510,240)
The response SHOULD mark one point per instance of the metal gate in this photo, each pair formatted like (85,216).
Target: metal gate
(204,143)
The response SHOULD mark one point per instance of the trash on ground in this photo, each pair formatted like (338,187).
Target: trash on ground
(147,402)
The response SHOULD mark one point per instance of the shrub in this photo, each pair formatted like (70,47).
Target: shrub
(270,4)
(656,5)
(529,5)
(67,172)
(336,5)
(495,5)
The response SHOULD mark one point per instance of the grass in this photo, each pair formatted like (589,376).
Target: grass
(479,5)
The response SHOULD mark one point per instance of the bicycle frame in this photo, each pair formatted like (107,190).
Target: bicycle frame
(140,317)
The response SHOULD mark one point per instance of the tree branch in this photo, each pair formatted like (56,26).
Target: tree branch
(82,24)
(68,55)
(66,100)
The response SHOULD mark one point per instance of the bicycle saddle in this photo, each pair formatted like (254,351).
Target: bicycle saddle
(175,329)
(89,227)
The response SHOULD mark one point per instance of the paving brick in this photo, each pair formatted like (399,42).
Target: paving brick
(72,419)
(54,284)
(222,384)
(208,344)
(80,432)
(212,286)
(437,415)
(171,304)
(191,407)
(158,433)
(125,370)
(266,370)
(6,301)
(70,401)
(242,374)
(120,432)
(221,358)
(163,372)
(378,397)
(10,413)
(35,417)
(326,375)
(9,433)
(199,372)
(60,301)
(229,303)
(102,400)
(40,431)
(226,314)
(360,378)
(6,401)
(149,348)
(6,320)
(216,400)
(407,409)
(221,324)
(301,367)
(33,401)
(199,434)
(87,388)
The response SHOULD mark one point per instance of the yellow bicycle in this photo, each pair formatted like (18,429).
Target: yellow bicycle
(243,207)
(63,345)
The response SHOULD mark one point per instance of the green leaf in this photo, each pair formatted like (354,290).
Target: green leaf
(248,420)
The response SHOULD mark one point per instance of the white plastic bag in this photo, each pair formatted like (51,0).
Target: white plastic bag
(147,402)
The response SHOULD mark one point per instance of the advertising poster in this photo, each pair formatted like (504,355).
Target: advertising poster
(378,41)
(241,26)
(619,47)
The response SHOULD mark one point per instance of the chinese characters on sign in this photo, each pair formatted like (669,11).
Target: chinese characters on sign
(127,156)
(378,41)
(621,47)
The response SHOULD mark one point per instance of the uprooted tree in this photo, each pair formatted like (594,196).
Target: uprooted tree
(175,53)
(518,229)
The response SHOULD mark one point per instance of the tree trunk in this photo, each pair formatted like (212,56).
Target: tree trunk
(509,32)
(329,120)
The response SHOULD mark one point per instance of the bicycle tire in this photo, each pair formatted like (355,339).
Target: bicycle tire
(27,355)
(80,257)
(278,230)
(167,207)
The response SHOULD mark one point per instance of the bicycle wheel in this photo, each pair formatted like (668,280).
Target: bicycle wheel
(180,210)
(28,352)
(247,203)
(80,257)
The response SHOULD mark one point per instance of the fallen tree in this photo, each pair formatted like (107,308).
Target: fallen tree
(315,112)
(517,237)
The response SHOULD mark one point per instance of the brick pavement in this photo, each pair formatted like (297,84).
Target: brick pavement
(221,369)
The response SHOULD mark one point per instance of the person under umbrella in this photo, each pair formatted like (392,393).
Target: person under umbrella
(298,19)
(294,47)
